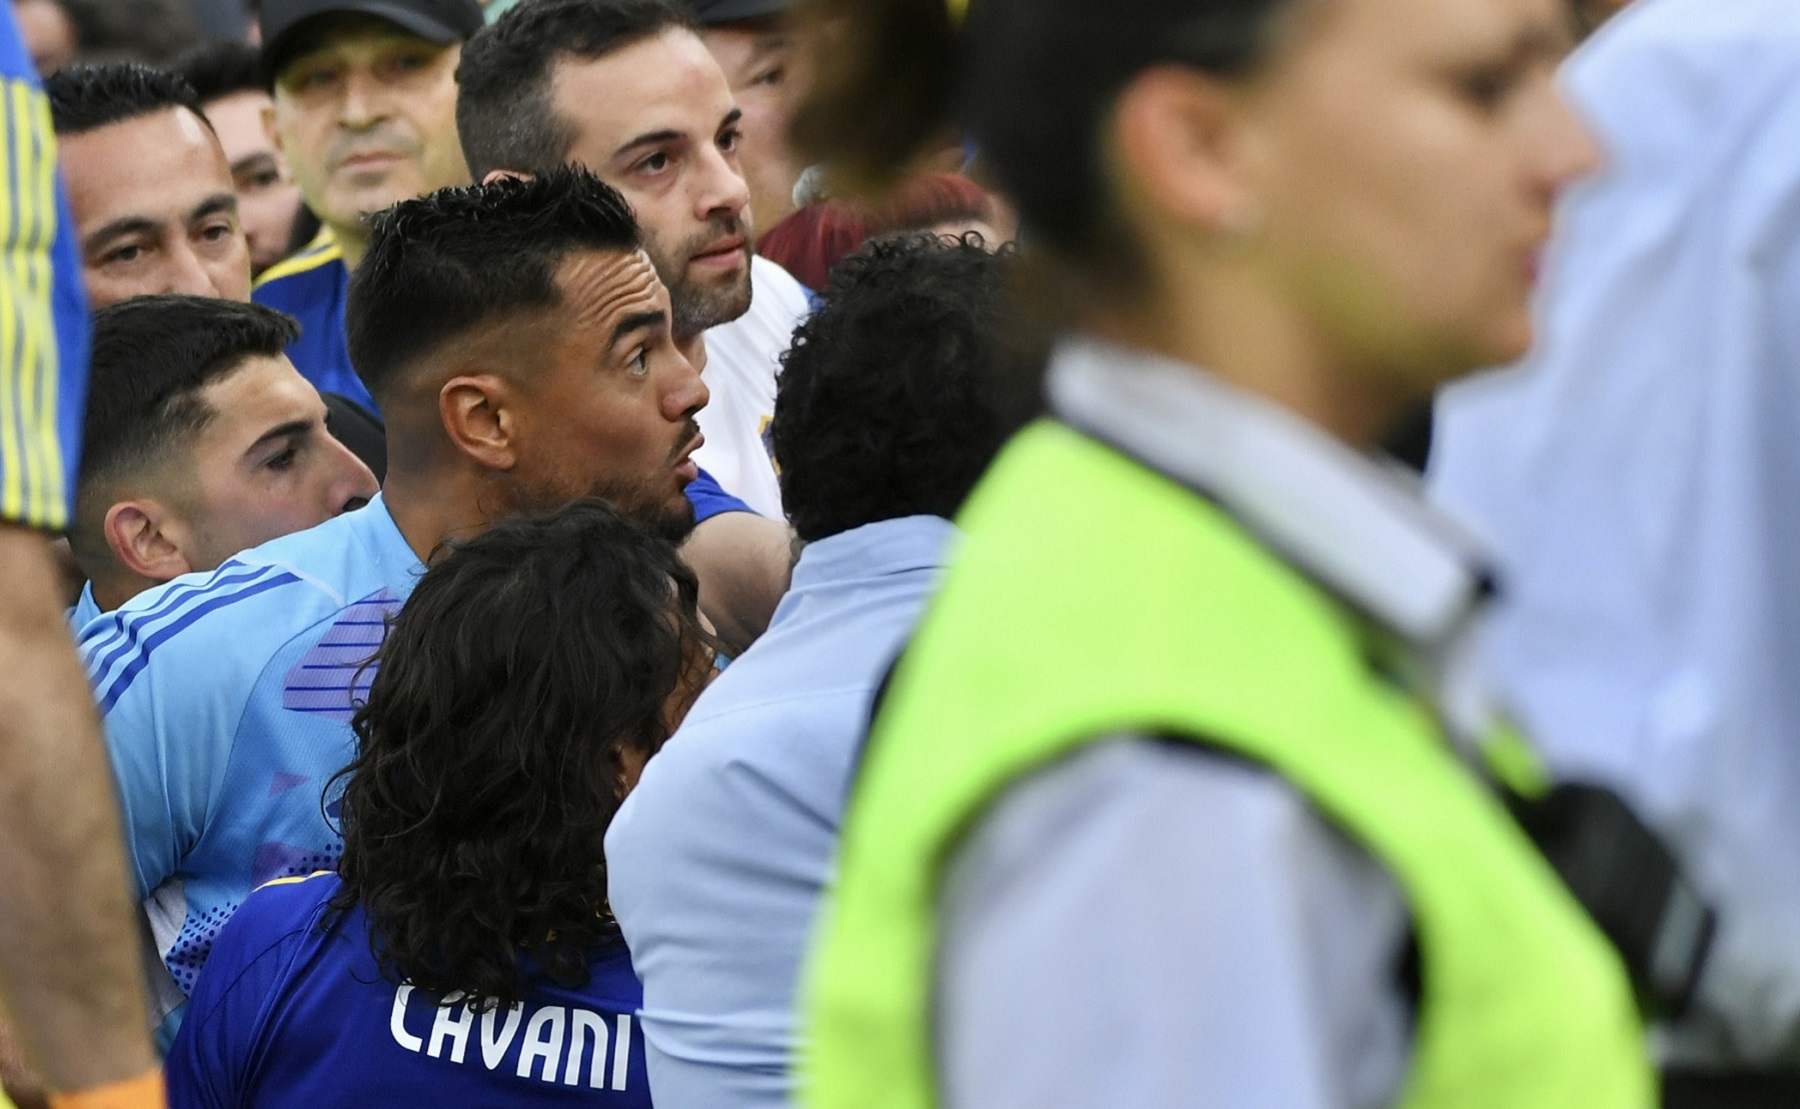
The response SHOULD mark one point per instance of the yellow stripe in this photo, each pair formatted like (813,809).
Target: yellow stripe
(322,250)
(295,880)
(56,492)
(31,360)
(12,494)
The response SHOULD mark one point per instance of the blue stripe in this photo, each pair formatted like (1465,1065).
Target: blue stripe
(165,605)
(130,673)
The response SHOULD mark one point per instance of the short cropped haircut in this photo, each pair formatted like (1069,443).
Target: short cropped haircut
(442,266)
(88,97)
(503,110)
(899,391)
(152,355)
(489,768)
(221,67)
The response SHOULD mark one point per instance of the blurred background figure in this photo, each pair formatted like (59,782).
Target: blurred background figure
(227,77)
(58,32)
(1637,479)
(811,241)
(518,695)
(365,114)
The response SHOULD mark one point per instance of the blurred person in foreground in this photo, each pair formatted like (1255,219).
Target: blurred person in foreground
(528,678)
(200,441)
(518,340)
(365,114)
(154,201)
(1170,799)
(1636,477)
(227,78)
(628,89)
(69,976)
(893,401)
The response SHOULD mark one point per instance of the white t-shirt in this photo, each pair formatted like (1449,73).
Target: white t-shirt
(742,359)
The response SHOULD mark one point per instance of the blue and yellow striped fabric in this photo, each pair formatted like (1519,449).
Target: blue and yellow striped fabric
(43,310)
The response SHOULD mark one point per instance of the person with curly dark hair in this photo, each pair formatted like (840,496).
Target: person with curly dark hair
(891,404)
(464,953)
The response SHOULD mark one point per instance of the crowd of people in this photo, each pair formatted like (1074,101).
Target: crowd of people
(866,554)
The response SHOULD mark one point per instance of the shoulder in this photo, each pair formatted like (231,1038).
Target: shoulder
(320,265)
(777,290)
(224,625)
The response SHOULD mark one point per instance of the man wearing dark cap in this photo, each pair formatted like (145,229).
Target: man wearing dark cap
(365,112)
(751,42)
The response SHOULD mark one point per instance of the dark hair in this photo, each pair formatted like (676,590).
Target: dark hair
(488,765)
(220,67)
(503,111)
(443,265)
(151,31)
(898,392)
(151,357)
(1030,81)
(88,97)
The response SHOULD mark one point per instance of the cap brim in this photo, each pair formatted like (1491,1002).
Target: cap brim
(730,11)
(427,27)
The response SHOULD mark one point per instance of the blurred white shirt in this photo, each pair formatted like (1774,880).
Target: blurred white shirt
(1638,482)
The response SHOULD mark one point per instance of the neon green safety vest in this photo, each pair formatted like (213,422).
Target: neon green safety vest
(1092,598)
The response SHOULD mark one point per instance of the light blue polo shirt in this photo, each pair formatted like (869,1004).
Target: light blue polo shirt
(716,861)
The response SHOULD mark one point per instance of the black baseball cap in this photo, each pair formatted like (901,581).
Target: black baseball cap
(730,11)
(439,21)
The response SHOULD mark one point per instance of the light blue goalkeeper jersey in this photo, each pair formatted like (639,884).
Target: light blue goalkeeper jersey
(227,699)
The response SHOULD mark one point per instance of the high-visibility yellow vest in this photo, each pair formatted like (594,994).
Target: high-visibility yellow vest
(1092,597)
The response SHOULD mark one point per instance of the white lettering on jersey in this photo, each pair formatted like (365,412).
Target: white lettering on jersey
(542,1054)
(452,1023)
(397,1021)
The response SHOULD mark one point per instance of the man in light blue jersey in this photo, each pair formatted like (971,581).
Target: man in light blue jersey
(518,339)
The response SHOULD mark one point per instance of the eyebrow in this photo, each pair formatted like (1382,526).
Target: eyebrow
(124,225)
(281,431)
(213,205)
(259,159)
(654,138)
(637,321)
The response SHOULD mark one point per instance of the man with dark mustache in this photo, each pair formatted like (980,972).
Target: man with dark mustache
(628,89)
(518,339)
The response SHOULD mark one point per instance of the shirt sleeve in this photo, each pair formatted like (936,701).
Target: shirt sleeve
(43,312)
(1149,924)
(710,499)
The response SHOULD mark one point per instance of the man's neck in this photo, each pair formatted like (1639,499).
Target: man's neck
(352,242)
(432,508)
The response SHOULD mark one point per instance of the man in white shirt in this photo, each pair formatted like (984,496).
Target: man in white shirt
(628,89)
(1637,481)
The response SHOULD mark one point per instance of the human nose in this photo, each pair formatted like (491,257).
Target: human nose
(722,189)
(187,273)
(1566,151)
(686,394)
(352,483)
(365,101)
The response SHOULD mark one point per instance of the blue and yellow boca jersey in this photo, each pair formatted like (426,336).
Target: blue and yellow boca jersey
(227,699)
(43,306)
(312,287)
(294,1012)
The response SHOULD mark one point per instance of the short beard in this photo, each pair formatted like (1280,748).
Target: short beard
(672,521)
(696,307)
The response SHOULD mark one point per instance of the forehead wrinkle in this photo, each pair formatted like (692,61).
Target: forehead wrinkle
(602,288)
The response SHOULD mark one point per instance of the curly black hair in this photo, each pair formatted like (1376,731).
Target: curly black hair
(899,391)
(527,661)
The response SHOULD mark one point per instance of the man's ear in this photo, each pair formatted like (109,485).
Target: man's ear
(1182,148)
(481,419)
(269,129)
(146,538)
